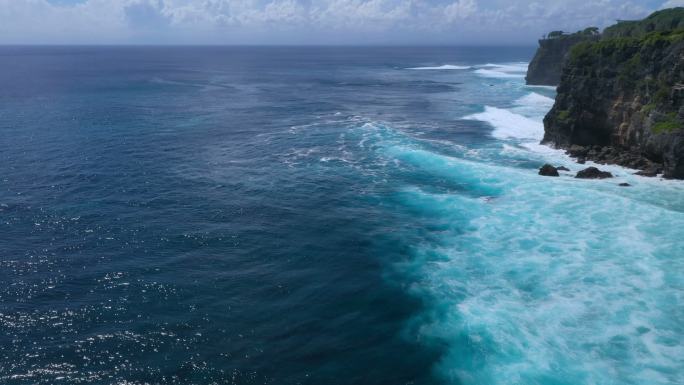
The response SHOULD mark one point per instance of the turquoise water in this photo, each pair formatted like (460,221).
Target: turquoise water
(315,215)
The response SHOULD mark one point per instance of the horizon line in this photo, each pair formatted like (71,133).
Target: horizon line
(256,45)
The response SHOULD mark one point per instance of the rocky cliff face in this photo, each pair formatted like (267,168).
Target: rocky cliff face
(545,67)
(621,100)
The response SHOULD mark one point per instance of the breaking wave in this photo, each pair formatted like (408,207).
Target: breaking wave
(442,67)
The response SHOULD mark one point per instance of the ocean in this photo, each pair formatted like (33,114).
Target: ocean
(318,215)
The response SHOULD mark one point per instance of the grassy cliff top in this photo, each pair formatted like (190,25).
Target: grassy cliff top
(607,47)
(620,41)
(664,20)
(560,35)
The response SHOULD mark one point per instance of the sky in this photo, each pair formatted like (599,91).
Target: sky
(409,22)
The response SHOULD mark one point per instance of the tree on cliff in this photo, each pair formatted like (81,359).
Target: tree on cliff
(591,31)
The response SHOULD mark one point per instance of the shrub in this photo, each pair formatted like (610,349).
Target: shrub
(669,124)
(563,115)
(646,109)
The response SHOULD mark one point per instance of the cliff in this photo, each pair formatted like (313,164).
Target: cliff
(665,20)
(621,98)
(545,67)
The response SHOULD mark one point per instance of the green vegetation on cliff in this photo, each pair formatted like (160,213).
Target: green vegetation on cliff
(668,124)
(632,63)
(665,20)
(545,67)
(625,90)
(587,52)
(631,56)
(587,32)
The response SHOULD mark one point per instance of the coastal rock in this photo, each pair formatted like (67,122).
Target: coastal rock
(548,170)
(577,151)
(562,168)
(621,97)
(593,173)
(545,67)
(650,172)
(624,185)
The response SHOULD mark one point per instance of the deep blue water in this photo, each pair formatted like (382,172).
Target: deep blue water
(318,215)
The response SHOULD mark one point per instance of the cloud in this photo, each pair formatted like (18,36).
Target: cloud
(38,21)
(146,14)
(460,10)
(304,21)
(673,3)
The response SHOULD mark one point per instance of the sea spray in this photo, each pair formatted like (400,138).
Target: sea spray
(324,216)
(442,67)
(546,281)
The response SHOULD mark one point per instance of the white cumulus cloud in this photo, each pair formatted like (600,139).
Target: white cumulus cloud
(304,21)
(460,9)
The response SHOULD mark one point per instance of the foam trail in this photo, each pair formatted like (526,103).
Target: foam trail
(529,311)
(533,105)
(507,67)
(502,71)
(536,100)
(477,180)
(509,125)
(550,88)
(442,67)
(525,288)
(498,74)
(535,280)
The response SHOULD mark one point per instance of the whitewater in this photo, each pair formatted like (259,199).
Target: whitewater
(537,280)
(319,215)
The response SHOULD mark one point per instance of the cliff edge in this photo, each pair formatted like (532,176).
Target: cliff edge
(545,67)
(621,98)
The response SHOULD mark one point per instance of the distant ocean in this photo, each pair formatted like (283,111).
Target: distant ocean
(318,216)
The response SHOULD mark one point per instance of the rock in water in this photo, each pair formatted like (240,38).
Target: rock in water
(649,172)
(562,168)
(624,185)
(548,170)
(576,151)
(593,173)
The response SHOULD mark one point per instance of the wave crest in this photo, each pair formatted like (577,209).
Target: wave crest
(509,125)
(442,67)
(502,71)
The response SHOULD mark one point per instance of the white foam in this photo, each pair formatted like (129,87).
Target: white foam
(533,105)
(507,67)
(502,70)
(530,274)
(536,100)
(442,67)
(550,88)
(528,305)
(509,125)
(498,74)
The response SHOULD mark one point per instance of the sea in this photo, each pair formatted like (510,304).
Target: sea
(318,215)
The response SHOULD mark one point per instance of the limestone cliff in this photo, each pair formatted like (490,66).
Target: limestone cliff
(621,98)
(545,67)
